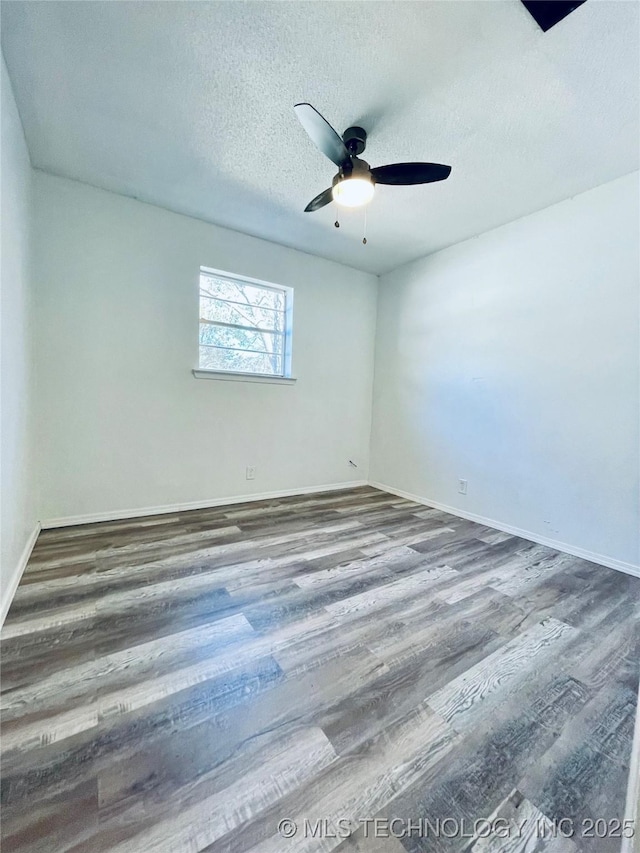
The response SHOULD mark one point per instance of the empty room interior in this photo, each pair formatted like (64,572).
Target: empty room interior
(320,426)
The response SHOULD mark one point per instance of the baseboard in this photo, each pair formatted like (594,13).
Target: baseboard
(141,512)
(632,809)
(10,591)
(602,559)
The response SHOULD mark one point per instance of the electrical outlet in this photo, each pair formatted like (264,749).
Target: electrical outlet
(462,487)
(251,472)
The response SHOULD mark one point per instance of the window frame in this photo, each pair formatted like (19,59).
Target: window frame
(286,377)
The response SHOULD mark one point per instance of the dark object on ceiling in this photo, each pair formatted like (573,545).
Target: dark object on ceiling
(547,13)
(354,184)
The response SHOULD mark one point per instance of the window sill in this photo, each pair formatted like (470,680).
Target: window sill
(228,376)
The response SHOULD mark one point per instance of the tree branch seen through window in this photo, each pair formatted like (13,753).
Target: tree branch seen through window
(245,326)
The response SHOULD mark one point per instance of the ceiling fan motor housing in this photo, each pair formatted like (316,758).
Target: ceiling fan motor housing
(355,138)
(355,169)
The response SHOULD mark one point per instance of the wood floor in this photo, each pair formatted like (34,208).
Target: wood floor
(186,682)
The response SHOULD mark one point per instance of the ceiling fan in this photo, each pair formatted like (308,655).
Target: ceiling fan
(354,185)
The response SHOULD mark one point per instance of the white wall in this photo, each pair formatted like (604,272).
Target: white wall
(511,361)
(17,513)
(122,423)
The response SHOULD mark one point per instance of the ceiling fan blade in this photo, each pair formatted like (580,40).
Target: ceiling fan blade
(319,201)
(322,134)
(405,174)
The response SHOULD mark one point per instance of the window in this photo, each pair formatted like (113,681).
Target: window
(245,325)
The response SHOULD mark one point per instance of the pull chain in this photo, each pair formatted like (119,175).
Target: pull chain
(364,238)
(336,223)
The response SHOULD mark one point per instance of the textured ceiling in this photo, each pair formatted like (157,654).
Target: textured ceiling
(189,105)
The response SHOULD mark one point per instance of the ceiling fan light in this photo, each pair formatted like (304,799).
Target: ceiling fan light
(353,192)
